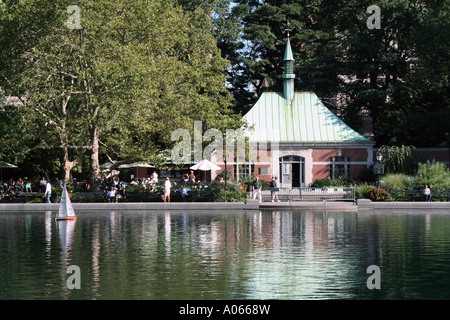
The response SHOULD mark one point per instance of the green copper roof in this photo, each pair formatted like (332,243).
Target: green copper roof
(304,119)
(288,51)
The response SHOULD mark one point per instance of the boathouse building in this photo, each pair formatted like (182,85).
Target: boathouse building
(298,139)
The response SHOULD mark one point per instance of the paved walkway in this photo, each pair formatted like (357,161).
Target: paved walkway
(360,205)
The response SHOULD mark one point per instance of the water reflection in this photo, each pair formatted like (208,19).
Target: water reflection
(48,234)
(167,232)
(233,255)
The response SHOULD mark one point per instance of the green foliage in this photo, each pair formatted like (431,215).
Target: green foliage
(362,191)
(119,86)
(434,174)
(397,181)
(402,159)
(337,182)
(224,174)
(232,194)
(136,188)
(393,70)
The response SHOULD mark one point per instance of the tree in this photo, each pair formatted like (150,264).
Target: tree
(402,159)
(434,174)
(132,73)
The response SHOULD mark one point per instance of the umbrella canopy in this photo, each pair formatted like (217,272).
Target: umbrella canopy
(136,165)
(205,165)
(5,165)
(108,165)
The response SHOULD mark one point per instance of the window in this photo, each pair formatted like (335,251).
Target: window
(242,170)
(263,170)
(339,167)
(287,168)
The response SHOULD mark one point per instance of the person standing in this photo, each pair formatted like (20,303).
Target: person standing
(257,187)
(427,193)
(155,177)
(42,184)
(274,189)
(184,193)
(167,186)
(48,191)
(192,177)
(112,195)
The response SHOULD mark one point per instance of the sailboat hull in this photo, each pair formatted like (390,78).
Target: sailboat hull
(67,218)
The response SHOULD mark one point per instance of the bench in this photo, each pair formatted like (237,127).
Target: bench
(89,197)
(22,197)
(328,194)
(417,195)
(312,194)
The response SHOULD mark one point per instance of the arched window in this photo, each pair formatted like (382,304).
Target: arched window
(339,167)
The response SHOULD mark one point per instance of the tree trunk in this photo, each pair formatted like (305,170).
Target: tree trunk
(66,165)
(95,175)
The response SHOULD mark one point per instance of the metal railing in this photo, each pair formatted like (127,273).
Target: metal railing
(312,194)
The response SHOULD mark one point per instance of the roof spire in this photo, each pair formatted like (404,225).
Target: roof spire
(288,74)
(288,24)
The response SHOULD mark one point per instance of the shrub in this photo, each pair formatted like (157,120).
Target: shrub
(362,191)
(265,184)
(232,194)
(35,200)
(397,181)
(134,188)
(338,182)
(320,183)
(434,174)
(378,194)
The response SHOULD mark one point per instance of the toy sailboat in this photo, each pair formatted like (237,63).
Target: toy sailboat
(66,211)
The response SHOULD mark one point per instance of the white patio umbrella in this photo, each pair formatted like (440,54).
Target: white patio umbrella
(205,165)
(108,165)
(136,165)
(5,165)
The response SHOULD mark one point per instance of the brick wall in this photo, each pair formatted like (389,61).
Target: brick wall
(322,170)
(324,155)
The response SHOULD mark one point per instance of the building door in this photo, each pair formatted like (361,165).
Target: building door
(296,175)
(292,172)
(286,175)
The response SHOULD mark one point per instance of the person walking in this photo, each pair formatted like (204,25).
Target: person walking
(274,189)
(427,193)
(257,187)
(48,191)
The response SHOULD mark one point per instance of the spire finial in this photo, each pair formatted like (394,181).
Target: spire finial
(288,74)
(288,29)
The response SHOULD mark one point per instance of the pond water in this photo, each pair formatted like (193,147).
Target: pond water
(283,255)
